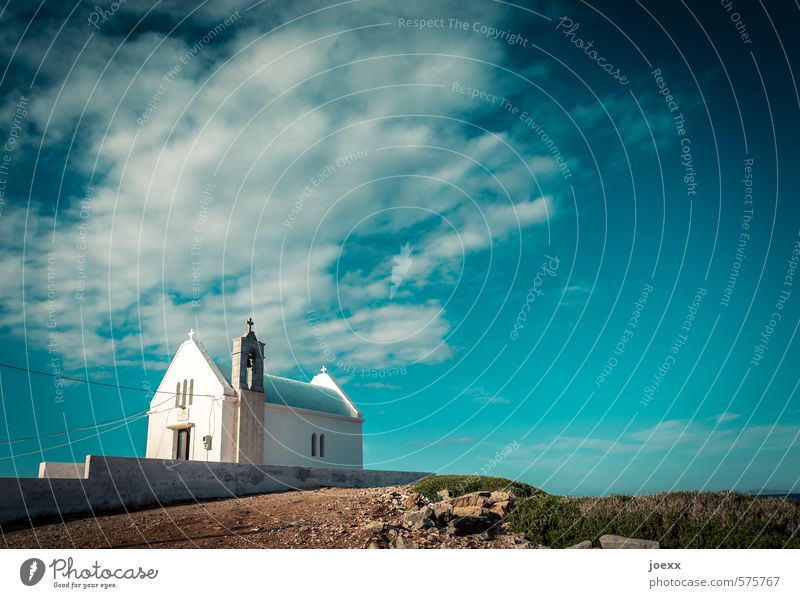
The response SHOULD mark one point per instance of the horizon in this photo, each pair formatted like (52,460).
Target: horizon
(549,243)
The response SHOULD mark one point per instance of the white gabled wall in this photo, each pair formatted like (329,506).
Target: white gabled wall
(287,439)
(210,408)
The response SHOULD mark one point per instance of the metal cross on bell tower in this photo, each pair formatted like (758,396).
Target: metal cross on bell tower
(248,361)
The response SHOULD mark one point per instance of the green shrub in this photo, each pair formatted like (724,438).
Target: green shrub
(675,519)
(546,519)
(464,484)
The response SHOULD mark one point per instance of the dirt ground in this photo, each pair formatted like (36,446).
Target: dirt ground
(324,518)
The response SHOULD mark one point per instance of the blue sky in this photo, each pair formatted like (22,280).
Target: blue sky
(559,227)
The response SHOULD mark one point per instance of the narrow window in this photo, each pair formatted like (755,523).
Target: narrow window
(183,397)
(322,445)
(191,390)
(178,394)
(182,446)
(313,445)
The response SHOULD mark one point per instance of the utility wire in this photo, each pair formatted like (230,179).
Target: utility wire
(96,426)
(96,382)
(130,416)
(71,442)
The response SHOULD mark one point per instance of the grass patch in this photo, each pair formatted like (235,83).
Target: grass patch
(464,484)
(675,519)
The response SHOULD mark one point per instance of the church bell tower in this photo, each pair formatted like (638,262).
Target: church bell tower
(248,361)
(247,377)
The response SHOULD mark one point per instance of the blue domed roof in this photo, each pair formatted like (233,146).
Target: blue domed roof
(302,395)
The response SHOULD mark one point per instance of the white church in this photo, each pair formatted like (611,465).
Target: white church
(198,415)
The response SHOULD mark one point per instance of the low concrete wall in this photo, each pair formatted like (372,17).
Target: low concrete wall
(114,483)
(57,469)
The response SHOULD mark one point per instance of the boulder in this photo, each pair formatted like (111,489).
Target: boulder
(468,511)
(419,518)
(501,496)
(501,508)
(611,541)
(473,499)
(443,511)
(584,544)
(462,526)
(444,494)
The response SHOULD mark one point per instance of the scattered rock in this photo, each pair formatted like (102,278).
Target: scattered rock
(419,518)
(584,544)
(375,526)
(402,542)
(489,535)
(611,541)
(412,500)
(426,523)
(444,493)
(524,544)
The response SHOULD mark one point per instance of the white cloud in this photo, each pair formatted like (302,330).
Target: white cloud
(681,436)
(727,417)
(481,395)
(224,121)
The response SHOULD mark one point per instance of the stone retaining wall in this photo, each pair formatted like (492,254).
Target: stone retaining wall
(114,483)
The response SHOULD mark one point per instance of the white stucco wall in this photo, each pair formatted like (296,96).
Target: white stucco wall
(205,416)
(56,469)
(288,433)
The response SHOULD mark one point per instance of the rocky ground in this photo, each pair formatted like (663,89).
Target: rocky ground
(393,517)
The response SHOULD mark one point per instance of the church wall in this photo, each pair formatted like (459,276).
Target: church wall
(287,439)
(204,416)
(226,439)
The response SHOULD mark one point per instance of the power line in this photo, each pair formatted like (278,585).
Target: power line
(97,426)
(71,442)
(132,416)
(136,414)
(96,382)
